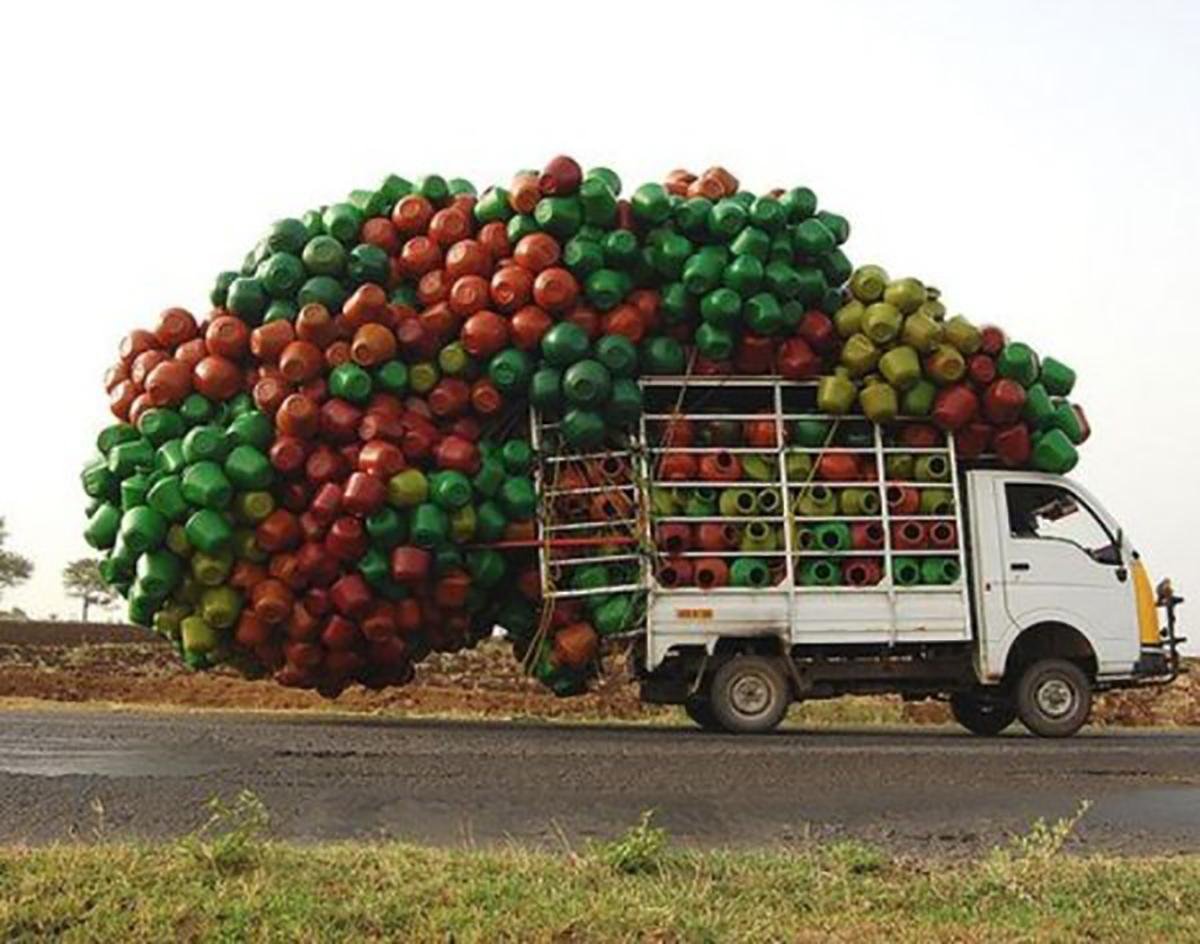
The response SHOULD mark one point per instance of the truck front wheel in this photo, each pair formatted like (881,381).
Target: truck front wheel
(985,717)
(1054,698)
(749,694)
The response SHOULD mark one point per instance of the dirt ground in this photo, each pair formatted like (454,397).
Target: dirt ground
(116,665)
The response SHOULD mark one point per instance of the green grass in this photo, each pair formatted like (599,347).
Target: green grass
(227,883)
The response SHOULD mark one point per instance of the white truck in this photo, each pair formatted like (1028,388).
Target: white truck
(1033,598)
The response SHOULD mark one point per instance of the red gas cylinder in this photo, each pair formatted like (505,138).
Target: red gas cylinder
(1012,445)
(575,645)
(711,573)
(625,320)
(381,458)
(716,536)
(560,177)
(450,397)
(511,287)
(675,572)
(317,565)
(339,421)
(468,295)
(528,326)
(818,330)
(351,596)
(324,465)
(755,354)
(919,436)
(862,572)
(838,467)
(555,289)
(943,535)
(796,360)
(340,633)
(363,494)
(486,400)
(991,340)
(410,564)
(346,539)
(175,325)
(1003,401)
(760,434)
(279,531)
(450,592)
(973,440)
(720,466)
(903,500)
(677,433)
(981,369)
(169,383)
(484,334)
(458,453)
(677,467)
(954,407)
(866,535)
(271,601)
(908,535)
(674,538)
(379,621)
(227,336)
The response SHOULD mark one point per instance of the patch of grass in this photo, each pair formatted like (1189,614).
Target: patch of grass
(227,883)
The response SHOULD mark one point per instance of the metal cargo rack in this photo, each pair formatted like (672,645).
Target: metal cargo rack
(629,539)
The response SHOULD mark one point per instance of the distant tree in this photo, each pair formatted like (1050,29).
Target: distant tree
(16,614)
(14,568)
(81,578)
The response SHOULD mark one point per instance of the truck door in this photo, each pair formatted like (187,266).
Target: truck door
(1060,562)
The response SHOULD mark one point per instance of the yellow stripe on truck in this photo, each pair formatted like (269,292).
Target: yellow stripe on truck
(1147,614)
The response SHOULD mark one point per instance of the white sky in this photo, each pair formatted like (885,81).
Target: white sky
(1038,161)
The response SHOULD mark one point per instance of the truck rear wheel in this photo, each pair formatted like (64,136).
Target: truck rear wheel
(749,694)
(1054,698)
(982,716)
(701,712)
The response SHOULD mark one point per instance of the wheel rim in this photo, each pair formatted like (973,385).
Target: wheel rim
(750,695)
(1055,698)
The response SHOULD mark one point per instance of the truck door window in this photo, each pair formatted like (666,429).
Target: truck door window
(1051,513)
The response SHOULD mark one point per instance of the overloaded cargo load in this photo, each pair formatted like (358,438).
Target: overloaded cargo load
(422,412)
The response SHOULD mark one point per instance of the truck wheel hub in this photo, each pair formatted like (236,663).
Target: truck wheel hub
(750,695)
(1055,698)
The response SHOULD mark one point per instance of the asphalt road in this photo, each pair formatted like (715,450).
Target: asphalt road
(83,774)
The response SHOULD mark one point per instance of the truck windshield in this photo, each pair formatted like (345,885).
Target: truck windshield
(1052,513)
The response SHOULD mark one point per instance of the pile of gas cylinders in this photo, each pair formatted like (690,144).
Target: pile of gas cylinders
(328,474)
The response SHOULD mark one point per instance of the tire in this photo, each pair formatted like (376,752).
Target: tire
(1054,698)
(985,717)
(701,712)
(749,695)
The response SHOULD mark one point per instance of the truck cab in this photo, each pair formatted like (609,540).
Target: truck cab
(794,555)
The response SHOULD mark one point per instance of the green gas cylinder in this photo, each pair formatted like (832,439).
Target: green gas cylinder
(587,384)
(939,570)
(545,391)
(490,476)
(206,486)
(166,497)
(449,489)
(1018,362)
(205,442)
(564,344)
(197,635)
(921,332)
(490,522)
(882,322)
(749,572)
(1054,452)
(624,404)
(1057,377)
(102,527)
(208,531)
(429,526)
(619,356)
(714,343)
(510,370)
(583,429)
(660,355)
(918,400)
(614,615)
(859,355)
(818,572)
(1038,411)
(831,536)
(142,529)
(487,567)
(906,571)
(518,498)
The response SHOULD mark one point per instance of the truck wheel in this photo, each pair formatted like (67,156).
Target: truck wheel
(985,717)
(749,695)
(1054,698)
(701,712)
